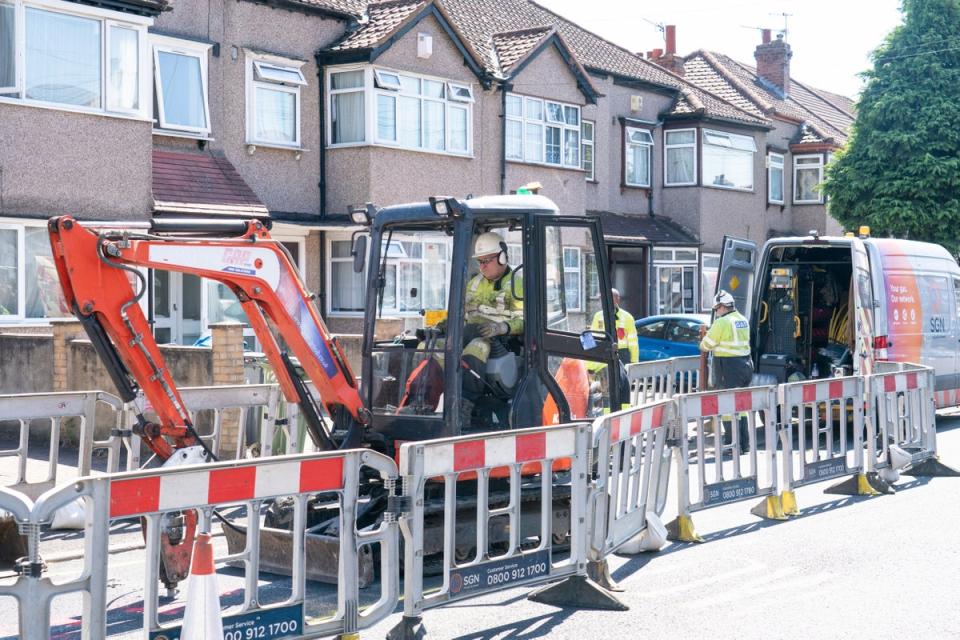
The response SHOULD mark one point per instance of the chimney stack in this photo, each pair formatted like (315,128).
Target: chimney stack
(668,59)
(773,62)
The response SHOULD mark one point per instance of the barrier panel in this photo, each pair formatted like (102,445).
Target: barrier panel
(159,496)
(718,422)
(655,380)
(517,531)
(904,415)
(821,427)
(632,474)
(54,408)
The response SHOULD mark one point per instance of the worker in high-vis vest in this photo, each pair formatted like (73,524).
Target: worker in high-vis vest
(728,339)
(493,307)
(627,346)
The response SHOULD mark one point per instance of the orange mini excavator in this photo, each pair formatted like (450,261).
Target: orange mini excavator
(412,285)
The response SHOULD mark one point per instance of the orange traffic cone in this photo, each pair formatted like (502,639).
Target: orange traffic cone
(201,619)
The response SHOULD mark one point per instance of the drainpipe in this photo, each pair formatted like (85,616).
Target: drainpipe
(323,143)
(650,202)
(504,88)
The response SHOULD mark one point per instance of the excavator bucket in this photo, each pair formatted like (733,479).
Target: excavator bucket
(276,553)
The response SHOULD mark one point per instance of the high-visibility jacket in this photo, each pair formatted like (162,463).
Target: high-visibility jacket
(493,301)
(627,345)
(728,337)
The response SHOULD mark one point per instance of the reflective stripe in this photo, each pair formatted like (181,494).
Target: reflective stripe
(729,336)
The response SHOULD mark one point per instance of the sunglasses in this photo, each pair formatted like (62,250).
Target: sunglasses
(485,261)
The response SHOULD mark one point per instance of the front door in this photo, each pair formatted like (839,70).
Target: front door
(177,307)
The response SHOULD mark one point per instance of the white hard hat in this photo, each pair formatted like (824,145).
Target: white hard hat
(489,243)
(723,298)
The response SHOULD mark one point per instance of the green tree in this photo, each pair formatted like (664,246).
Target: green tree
(900,172)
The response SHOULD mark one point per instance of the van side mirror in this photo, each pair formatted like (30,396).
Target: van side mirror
(359,253)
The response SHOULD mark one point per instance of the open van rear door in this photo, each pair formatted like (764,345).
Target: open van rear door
(738,266)
(863,302)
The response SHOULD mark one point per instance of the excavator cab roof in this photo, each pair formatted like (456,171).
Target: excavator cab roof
(512,205)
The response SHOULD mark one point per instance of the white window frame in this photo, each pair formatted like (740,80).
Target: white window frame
(457,92)
(732,138)
(255,61)
(187,48)
(579,271)
(591,173)
(377,83)
(107,19)
(21,227)
(676,261)
(526,120)
(628,145)
(773,164)
(667,148)
(797,167)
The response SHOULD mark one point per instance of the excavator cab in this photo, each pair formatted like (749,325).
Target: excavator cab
(416,379)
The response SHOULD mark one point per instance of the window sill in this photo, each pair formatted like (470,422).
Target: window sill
(545,165)
(253,146)
(674,185)
(394,147)
(807,202)
(637,187)
(167,133)
(6,99)
(733,189)
(776,203)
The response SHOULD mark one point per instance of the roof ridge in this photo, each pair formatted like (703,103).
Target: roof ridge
(796,103)
(711,58)
(383,3)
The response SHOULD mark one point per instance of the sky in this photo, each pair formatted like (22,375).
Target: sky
(831,39)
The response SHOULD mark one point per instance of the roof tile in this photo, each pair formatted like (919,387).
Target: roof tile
(201,183)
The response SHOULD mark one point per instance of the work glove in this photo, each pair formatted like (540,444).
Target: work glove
(492,329)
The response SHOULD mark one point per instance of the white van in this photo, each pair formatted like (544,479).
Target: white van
(824,306)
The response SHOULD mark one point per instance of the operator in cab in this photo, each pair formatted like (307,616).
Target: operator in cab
(491,310)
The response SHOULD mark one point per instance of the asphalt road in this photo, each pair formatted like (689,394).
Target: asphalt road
(847,567)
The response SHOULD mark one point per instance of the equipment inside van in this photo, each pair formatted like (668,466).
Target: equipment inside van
(822,307)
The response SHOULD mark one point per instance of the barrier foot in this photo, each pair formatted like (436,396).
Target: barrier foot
(409,628)
(769,508)
(599,572)
(578,592)
(931,467)
(858,485)
(788,500)
(680,529)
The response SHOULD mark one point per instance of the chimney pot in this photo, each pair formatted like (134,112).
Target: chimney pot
(766,36)
(671,37)
(658,53)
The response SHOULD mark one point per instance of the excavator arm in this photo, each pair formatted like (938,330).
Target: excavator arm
(99,270)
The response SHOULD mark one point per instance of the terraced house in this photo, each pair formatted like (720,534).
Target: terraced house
(298,110)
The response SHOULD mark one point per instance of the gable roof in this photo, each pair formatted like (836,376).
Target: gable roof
(347,9)
(828,117)
(501,34)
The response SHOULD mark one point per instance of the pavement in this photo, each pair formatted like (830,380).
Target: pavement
(846,567)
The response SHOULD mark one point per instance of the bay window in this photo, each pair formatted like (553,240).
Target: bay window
(542,132)
(180,74)
(636,156)
(679,157)
(410,111)
(775,177)
(728,160)
(72,56)
(273,100)
(807,176)
(416,275)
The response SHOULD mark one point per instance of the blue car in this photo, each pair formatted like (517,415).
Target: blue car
(670,336)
